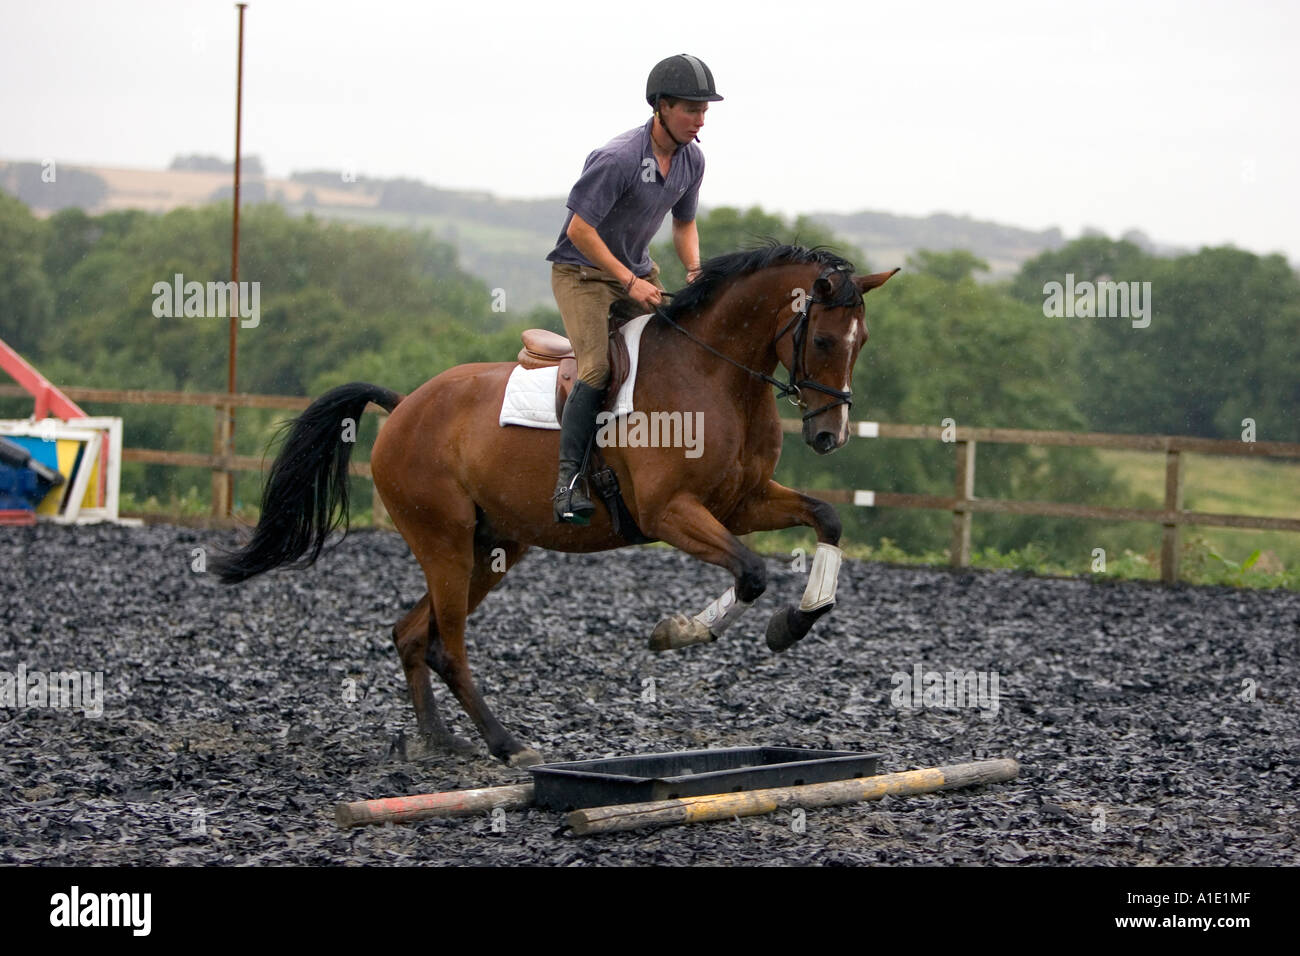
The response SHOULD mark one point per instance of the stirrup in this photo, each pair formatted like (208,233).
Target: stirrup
(562,503)
(567,514)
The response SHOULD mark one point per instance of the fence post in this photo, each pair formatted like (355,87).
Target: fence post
(964,490)
(221,480)
(1173,502)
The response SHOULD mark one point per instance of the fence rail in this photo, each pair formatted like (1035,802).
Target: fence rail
(962,503)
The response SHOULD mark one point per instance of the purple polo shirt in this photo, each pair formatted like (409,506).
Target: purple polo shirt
(622,194)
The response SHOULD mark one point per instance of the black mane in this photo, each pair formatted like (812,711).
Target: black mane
(716,271)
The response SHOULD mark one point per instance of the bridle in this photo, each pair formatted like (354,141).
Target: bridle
(799,325)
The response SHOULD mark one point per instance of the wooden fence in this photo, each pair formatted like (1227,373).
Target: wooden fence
(962,502)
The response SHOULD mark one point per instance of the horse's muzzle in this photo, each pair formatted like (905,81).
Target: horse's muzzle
(825,442)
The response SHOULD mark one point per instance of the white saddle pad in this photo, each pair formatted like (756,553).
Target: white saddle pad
(530,392)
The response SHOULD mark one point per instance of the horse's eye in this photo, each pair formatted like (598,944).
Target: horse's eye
(823,342)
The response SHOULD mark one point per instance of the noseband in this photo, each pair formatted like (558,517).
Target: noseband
(792,389)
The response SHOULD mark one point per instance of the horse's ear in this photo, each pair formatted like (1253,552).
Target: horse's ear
(874,281)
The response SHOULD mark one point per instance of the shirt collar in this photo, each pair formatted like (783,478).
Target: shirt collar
(647,150)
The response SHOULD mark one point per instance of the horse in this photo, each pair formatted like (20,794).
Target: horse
(470,496)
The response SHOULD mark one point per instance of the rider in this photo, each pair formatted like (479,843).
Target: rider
(615,208)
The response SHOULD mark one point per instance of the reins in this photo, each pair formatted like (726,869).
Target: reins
(791,388)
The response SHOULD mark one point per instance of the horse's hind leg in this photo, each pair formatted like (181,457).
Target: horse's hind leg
(412,635)
(460,573)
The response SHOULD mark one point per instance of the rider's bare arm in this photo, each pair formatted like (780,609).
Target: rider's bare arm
(583,235)
(686,240)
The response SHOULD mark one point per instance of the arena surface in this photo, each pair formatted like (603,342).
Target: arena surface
(1152,726)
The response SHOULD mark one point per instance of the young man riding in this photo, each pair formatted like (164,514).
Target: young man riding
(615,208)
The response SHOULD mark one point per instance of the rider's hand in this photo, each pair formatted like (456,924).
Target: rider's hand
(645,294)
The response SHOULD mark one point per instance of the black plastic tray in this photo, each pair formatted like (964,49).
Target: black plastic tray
(690,773)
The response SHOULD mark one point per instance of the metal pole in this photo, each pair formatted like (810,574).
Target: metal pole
(228,477)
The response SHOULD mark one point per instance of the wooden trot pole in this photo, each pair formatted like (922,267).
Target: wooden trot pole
(723,806)
(452,803)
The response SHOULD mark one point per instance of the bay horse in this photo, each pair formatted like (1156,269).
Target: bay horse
(471,496)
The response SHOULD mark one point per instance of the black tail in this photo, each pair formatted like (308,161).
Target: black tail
(306,494)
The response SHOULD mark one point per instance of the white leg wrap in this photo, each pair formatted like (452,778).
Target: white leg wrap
(722,613)
(822,578)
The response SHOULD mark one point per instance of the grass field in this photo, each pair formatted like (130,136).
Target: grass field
(1225,484)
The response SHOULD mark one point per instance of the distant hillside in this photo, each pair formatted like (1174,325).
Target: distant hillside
(502,241)
(889,239)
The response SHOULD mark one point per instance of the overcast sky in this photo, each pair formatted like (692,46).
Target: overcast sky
(1176,118)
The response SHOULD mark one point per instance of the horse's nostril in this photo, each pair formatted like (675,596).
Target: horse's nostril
(824,441)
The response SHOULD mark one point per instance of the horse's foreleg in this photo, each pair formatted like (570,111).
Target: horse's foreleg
(411,635)
(688,526)
(781,507)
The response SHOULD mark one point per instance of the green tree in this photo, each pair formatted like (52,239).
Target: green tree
(952,265)
(1220,345)
(1089,258)
(26,298)
(328,294)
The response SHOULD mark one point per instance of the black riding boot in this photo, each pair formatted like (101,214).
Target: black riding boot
(576,432)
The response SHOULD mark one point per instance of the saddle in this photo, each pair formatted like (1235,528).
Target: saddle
(543,348)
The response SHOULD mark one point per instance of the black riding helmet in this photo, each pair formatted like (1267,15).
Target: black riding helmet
(682,77)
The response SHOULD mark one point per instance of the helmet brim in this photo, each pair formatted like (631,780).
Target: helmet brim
(711,98)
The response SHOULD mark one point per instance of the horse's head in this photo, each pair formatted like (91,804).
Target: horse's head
(819,343)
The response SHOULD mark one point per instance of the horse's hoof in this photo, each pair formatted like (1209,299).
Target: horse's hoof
(431,746)
(779,636)
(790,625)
(679,631)
(456,744)
(528,757)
